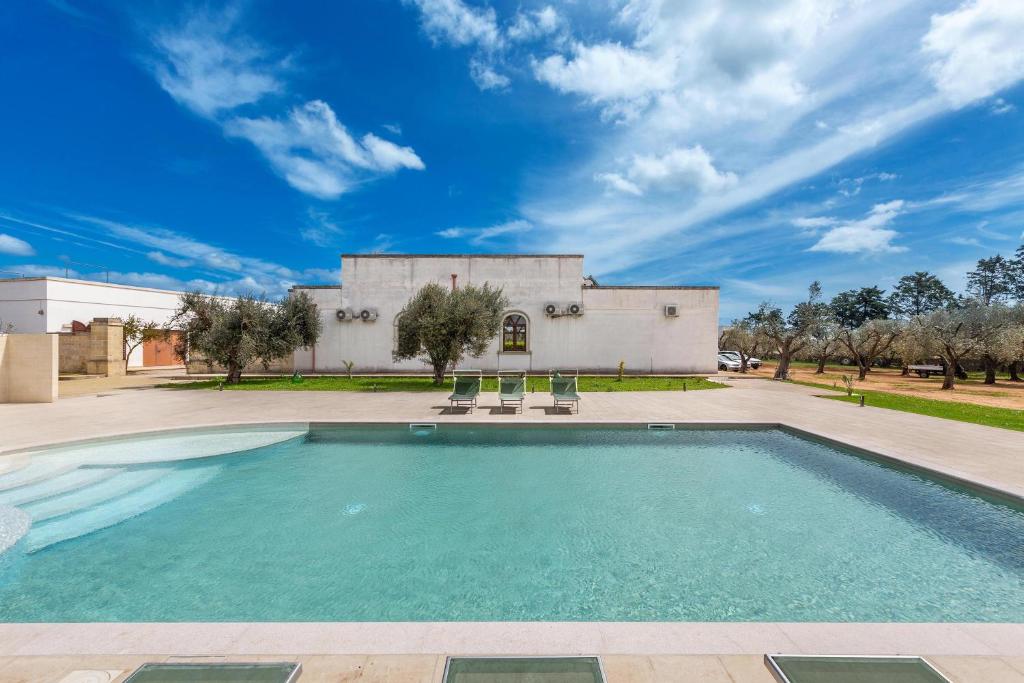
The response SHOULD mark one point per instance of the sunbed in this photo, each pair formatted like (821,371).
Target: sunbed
(466,390)
(564,391)
(512,390)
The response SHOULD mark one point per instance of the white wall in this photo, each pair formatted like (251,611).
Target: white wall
(618,323)
(63,300)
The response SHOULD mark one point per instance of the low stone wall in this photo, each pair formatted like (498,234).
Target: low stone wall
(73,351)
(28,368)
(198,366)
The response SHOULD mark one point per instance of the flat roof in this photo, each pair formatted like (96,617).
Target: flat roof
(651,287)
(462,256)
(94,283)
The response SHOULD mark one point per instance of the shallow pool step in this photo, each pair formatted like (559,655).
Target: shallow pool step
(118,485)
(35,471)
(165,489)
(54,486)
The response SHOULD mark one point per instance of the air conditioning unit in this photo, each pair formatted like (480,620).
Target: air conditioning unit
(552,310)
(368,315)
(575,308)
(671,310)
(345,315)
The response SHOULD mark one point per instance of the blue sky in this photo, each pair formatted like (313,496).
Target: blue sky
(758,146)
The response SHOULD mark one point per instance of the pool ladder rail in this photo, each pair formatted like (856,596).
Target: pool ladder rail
(660,426)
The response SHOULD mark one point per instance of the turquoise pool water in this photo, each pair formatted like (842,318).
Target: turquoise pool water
(496,523)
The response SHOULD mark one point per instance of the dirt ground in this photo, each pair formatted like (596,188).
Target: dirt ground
(1002,394)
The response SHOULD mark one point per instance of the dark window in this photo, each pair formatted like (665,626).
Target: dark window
(513,333)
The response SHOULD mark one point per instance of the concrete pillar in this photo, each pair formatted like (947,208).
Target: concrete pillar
(106,347)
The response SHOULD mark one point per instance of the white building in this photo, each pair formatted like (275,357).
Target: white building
(52,304)
(557,318)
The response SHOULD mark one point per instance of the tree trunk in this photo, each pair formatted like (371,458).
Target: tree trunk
(862,368)
(990,369)
(234,373)
(821,366)
(905,372)
(743,362)
(1014,377)
(949,377)
(439,373)
(782,371)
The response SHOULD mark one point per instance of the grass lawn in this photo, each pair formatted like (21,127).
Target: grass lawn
(1007,418)
(533,384)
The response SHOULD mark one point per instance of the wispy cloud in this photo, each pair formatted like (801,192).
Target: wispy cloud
(210,65)
(321,230)
(316,154)
(165,260)
(479,236)
(14,246)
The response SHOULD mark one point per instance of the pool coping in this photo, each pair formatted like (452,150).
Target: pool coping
(523,638)
(290,639)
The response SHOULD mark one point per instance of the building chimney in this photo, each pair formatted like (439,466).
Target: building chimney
(454,278)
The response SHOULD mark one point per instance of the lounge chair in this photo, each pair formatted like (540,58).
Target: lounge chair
(512,390)
(564,392)
(466,390)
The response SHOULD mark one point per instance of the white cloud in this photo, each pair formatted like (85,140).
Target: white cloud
(534,24)
(870,234)
(606,72)
(209,66)
(965,241)
(165,260)
(678,169)
(814,223)
(14,246)
(485,77)
(481,235)
(1001,106)
(455,22)
(976,49)
(316,154)
(321,230)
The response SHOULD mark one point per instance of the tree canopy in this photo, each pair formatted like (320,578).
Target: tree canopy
(918,294)
(444,325)
(237,332)
(855,307)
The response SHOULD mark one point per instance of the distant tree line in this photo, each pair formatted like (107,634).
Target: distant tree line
(919,320)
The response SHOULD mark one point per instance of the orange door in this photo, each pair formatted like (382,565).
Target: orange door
(160,351)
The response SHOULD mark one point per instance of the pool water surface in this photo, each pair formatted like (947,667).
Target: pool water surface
(466,523)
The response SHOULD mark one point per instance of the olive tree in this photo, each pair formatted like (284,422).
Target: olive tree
(234,333)
(136,332)
(960,333)
(870,341)
(786,335)
(443,325)
(741,336)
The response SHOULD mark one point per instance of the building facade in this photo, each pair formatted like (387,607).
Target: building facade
(557,317)
(54,304)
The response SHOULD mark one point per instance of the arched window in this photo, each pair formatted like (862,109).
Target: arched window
(513,333)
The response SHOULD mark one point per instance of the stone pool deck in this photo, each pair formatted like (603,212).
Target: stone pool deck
(986,457)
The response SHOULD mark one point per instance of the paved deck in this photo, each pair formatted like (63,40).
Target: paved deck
(983,456)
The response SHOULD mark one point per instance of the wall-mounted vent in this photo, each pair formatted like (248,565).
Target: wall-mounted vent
(345,315)
(671,310)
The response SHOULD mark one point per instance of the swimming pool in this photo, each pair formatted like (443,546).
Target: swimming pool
(387,523)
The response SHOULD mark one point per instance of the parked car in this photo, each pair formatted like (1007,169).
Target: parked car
(935,366)
(735,355)
(728,363)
